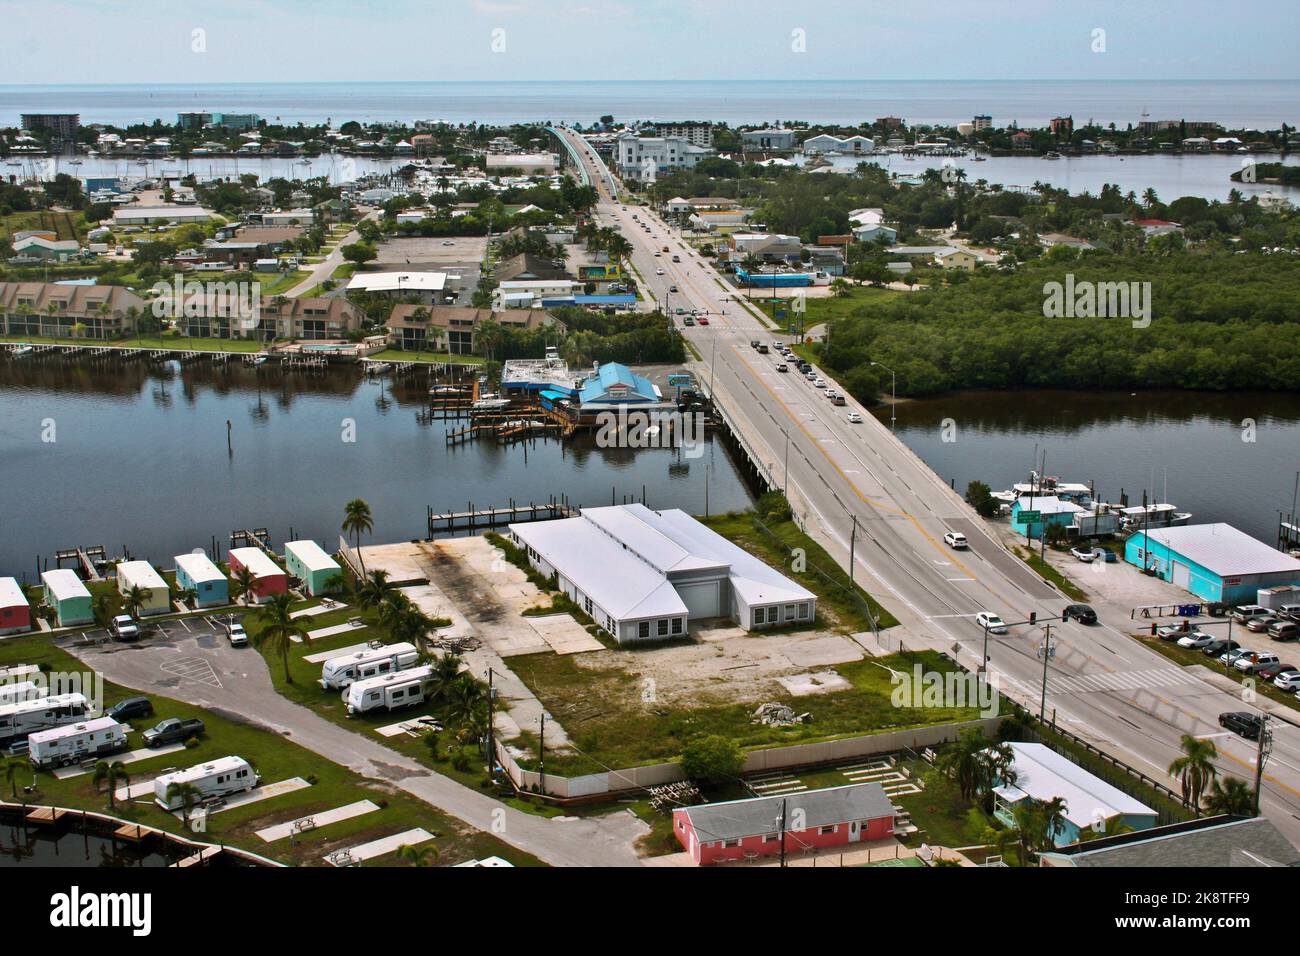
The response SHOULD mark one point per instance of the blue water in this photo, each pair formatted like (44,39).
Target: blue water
(1235,103)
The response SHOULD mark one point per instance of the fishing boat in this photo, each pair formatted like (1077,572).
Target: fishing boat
(74,162)
(1052,155)
(490,404)
(977,158)
(21,350)
(1158,515)
(447,391)
(377,368)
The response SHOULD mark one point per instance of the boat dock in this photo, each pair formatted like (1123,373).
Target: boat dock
(472,518)
(257,538)
(88,559)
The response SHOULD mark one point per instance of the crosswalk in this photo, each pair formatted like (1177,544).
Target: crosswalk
(1121,680)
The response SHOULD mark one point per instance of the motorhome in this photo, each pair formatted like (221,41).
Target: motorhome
(74,743)
(219,778)
(20,691)
(339,673)
(389,691)
(27,717)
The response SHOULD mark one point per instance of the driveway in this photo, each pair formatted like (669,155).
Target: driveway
(193,663)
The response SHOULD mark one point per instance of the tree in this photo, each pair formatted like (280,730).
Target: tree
(356,521)
(109,775)
(1195,768)
(135,598)
(376,590)
(712,759)
(189,796)
(1230,795)
(279,628)
(963,761)
(980,497)
(13,766)
(244,585)
(1114,827)
(425,854)
(359,253)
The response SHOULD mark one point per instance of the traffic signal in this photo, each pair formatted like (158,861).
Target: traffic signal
(1033,616)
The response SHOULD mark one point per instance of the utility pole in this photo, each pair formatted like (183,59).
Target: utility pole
(1046,650)
(541,755)
(853,540)
(491,736)
(781,830)
(785,471)
(1265,747)
(985,666)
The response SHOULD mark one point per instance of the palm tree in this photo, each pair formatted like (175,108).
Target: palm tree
(1230,795)
(244,585)
(420,319)
(1053,819)
(963,761)
(411,626)
(279,628)
(1114,827)
(376,590)
(1195,768)
(424,855)
(109,775)
(357,520)
(466,703)
(102,606)
(135,598)
(12,767)
(444,670)
(189,795)
(1149,197)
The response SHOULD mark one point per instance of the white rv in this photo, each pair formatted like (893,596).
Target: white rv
(28,716)
(338,673)
(74,743)
(220,778)
(390,691)
(20,691)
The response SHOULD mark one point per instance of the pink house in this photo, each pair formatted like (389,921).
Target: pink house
(814,819)
(15,612)
(270,578)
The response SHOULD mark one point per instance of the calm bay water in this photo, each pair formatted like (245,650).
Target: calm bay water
(1123,441)
(139,459)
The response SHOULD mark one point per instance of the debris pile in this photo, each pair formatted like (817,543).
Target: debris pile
(779,715)
(671,795)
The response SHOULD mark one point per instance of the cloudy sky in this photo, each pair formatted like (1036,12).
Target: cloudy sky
(225,41)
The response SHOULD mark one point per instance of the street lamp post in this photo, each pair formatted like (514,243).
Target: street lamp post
(893,394)
(1046,650)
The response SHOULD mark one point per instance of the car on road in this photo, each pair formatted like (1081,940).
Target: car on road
(236,634)
(448,242)
(782,367)
(672,288)
(1083,554)
(830,393)
(819,383)
(666,249)
(130,708)
(124,628)
(1197,640)
(1281,630)
(703,320)
(1261,623)
(1082,613)
(688,321)
(855,418)
(1242,723)
(991,622)
(659,272)
(1287,679)
(1246,612)
(1220,645)
(953,539)
(1254,663)
(173,730)
(658,254)
(679,311)
(677,258)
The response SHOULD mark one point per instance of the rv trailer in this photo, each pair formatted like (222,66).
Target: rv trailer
(338,673)
(28,716)
(389,691)
(219,778)
(21,691)
(74,743)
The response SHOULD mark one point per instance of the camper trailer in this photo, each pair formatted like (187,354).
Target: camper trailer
(388,692)
(74,743)
(20,691)
(220,778)
(339,673)
(29,716)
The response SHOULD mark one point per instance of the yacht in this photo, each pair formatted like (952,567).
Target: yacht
(1159,515)
(1052,155)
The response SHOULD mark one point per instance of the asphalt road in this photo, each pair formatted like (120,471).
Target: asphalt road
(1102,685)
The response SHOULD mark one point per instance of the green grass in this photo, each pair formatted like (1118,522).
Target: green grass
(399,355)
(603,712)
(66,225)
(176,343)
(276,759)
(1047,571)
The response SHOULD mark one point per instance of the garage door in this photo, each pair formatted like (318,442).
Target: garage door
(1182,576)
(701,600)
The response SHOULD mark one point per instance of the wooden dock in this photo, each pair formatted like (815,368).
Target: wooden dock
(47,815)
(198,859)
(256,538)
(85,558)
(133,832)
(474,518)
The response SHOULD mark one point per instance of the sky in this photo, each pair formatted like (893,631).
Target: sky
(225,41)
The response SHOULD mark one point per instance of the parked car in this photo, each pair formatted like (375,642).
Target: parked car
(1234,655)
(124,628)
(1245,612)
(1079,612)
(1261,623)
(1083,554)
(955,539)
(1241,722)
(1270,671)
(1289,611)
(130,708)
(173,730)
(990,621)
(855,418)
(1254,663)
(659,272)
(1105,554)
(236,635)
(1283,630)
(1287,679)
(1198,639)
(1218,646)
(1171,632)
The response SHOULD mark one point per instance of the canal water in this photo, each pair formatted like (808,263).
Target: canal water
(1122,441)
(128,454)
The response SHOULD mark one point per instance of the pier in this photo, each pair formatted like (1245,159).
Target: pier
(256,538)
(472,519)
(88,559)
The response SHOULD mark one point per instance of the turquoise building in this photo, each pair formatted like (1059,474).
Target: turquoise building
(1051,509)
(308,562)
(1215,562)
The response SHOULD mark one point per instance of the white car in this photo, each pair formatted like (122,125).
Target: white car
(1085,555)
(855,418)
(819,383)
(1250,663)
(955,539)
(124,628)
(1197,639)
(448,242)
(1287,680)
(992,622)
(237,636)
(659,272)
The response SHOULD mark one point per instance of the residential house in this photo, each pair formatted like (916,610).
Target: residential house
(1208,842)
(452,329)
(955,258)
(197,573)
(54,310)
(15,611)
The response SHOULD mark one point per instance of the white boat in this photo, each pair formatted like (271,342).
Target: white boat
(74,162)
(1159,515)
(21,350)
(490,404)
(1052,155)
(377,368)
(977,158)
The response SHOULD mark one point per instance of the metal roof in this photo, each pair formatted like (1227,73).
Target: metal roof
(1044,774)
(1223,549)
(255,560)
(820,808)
(141,574)
(199,567)
(11,593)
(63,583)
(311,554)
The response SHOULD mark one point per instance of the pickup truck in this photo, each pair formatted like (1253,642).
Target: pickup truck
(173,730)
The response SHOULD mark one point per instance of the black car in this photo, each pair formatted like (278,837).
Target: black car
(1221,646)
(1241,722)
(1081,613)
(173,730)
(130,708)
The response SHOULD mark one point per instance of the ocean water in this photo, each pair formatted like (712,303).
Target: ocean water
(1235,103)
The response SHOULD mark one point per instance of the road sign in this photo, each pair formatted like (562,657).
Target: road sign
(1029,517)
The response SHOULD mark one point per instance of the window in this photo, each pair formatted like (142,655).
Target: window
(730,843)
(769,838)
(661,627)
(643,629)
(805,611)
(826,830)
(677,625)
(790,611)
(586,605)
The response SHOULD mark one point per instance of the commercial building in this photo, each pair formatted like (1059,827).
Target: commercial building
(15,612)
(642,575)
(141,574)
(289,217)
(614,386)
(195,572)
(826,143)
(1220,841)
(777,139)
(528,164)
(50,309)
(1030,514)
(41,247)
(268,579)
(307,561)
(752,828)
(982,121)
(1216,562)
(526,293)
(645,157)
(1090,803)
(695,132)
(527,266)
(62,125)
(427,287)
(153,215)
(69,598)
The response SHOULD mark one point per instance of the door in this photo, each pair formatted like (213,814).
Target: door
(701,600)
(855,832)
(1182,576)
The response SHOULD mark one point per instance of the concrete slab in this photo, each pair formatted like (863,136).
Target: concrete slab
(333,630)
(380,847)
(265,792)
(821,682)
(721,632)
(325,607)
(563,634)
(66,773)
(403,561)
(412,725)
(317,820)
(322,656)
(822,651)
(136,790)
